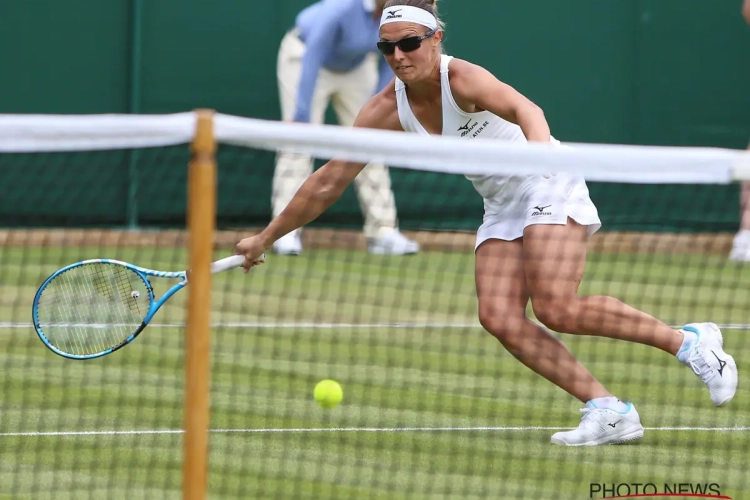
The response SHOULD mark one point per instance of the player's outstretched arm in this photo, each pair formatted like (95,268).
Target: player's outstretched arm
(746,11)
(476,85)
(319,191)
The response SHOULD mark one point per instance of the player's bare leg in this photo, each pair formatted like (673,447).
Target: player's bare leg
(503,297)
(554,260)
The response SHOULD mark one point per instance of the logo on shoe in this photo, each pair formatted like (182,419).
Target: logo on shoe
(722,364)
(615,424)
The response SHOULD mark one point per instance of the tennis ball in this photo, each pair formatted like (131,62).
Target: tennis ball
(328,393)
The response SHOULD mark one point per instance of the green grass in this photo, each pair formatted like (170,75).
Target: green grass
(393,377)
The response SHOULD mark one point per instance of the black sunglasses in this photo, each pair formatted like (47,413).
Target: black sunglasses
(409,44)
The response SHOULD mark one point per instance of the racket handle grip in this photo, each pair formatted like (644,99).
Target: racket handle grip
(230,263)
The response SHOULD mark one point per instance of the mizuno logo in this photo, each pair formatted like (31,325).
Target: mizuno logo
(472,128)
(465,127)
(615,424)
(722,363)
(540,211)
(392,13)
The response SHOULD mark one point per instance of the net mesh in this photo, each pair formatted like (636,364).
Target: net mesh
(434,406)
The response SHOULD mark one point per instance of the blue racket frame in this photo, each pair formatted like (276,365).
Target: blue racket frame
(142,272)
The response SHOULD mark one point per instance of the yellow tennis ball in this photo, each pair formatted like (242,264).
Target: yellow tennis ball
(328,393)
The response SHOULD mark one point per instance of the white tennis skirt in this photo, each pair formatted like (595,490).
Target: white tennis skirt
(538,199)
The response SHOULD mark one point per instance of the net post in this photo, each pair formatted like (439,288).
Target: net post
(201,214)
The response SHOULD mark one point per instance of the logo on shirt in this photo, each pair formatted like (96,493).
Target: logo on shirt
(392,14)
(472,129)
(540,211)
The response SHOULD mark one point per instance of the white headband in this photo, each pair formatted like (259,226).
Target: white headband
(408,14)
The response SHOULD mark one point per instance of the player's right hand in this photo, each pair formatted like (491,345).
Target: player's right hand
(253,250)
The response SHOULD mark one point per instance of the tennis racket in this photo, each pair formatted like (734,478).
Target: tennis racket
(94,307)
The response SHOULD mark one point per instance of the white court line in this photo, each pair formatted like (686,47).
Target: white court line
(348,429)
(251,324)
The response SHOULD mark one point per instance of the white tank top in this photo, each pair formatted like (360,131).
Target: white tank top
(495,189)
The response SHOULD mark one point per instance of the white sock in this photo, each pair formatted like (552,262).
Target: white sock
(688,338)
(611,403)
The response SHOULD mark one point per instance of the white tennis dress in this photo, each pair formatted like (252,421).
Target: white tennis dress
(511,203)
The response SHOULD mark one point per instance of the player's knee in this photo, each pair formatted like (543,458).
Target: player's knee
(501,324)
(558,315)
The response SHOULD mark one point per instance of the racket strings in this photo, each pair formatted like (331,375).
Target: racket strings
(92,308)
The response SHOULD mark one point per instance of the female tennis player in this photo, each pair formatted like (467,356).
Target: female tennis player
(532,243)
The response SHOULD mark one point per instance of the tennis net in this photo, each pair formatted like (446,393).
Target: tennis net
(433,405)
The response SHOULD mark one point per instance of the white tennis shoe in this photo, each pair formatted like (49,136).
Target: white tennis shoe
(741,247)
(601,426)
(289,244)
(392,242)
(706,357)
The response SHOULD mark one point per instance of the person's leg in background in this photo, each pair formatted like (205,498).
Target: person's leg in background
(741,245)
(373,184)
(293,169)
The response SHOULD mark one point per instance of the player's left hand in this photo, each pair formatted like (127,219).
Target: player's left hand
(253,250)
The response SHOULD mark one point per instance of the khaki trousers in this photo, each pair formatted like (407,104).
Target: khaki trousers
(348,92)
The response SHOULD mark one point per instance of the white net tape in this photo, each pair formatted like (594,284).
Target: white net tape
(595,162)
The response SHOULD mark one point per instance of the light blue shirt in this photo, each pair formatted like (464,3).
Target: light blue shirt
(338,34)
